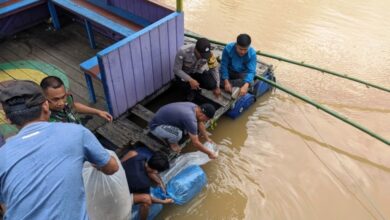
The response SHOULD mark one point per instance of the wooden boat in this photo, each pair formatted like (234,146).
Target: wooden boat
(126,55)
(134,70)
(132,125)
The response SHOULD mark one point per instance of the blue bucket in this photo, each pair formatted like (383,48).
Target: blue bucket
(241,105)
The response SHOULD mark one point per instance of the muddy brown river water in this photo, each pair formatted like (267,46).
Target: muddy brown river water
(284,159)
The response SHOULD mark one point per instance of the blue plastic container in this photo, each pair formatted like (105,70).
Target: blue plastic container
(241,105)
(260,87)
(184,186)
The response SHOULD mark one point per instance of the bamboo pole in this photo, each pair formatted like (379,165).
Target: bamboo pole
(368,84)
(345,76)
(179,6)
(325,109)
(311,102)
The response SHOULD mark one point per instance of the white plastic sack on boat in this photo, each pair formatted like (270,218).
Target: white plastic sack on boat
(187,160)
(108,196)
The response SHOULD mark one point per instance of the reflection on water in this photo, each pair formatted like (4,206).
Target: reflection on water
(284,159)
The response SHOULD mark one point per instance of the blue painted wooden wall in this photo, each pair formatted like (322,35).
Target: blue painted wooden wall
(13,23)
(140,64)
(143,8)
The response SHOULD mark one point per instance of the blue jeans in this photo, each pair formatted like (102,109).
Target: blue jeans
(167,132)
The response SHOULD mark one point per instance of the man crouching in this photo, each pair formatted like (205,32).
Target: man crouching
(173,119)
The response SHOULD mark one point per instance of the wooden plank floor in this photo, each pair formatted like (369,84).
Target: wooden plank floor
(65,50)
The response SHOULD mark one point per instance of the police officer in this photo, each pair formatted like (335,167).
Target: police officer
(197,66)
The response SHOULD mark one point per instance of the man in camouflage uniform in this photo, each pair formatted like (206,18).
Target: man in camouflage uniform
(197,66)
(67,114)
(62,106)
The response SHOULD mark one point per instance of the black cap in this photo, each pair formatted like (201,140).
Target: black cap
(208,110)
(29,92)
(203,47)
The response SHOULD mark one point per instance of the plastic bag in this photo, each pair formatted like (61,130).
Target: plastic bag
(187,160)
(154,210)
(185,179)
(211,146)
(186,185)
(108,197)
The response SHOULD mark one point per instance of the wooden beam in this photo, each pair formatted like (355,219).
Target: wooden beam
(222,100)
(140,136)
(113,133)
(142,112)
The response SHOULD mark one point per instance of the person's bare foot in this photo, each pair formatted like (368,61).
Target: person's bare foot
(176,148)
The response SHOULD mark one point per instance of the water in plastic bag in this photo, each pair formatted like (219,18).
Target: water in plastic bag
(211,146)
(187,160)
(108,196)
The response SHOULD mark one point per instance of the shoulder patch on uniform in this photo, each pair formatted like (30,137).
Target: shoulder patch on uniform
(212,62)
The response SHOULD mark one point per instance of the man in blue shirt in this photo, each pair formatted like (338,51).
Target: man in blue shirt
(41,166)
(238,65)
(171,120)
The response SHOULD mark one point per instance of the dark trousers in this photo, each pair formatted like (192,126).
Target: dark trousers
(235,79)
(205,80)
